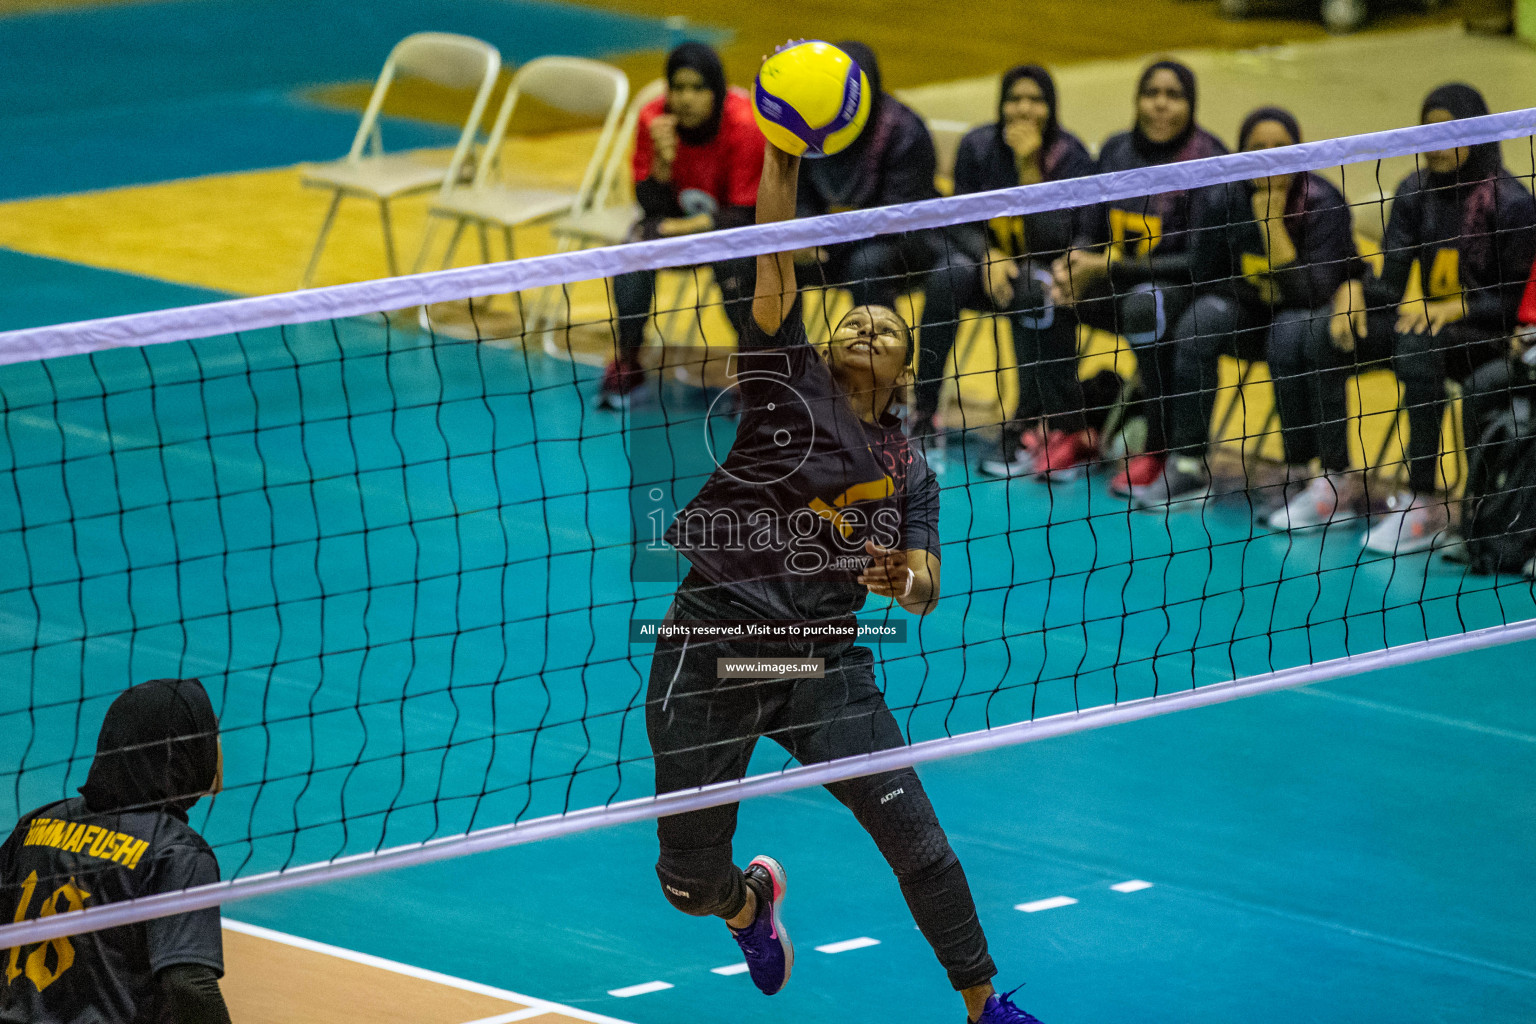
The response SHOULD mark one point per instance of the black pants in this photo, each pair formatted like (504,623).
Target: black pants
(1145,316)
(633,292)
(703,729)
(1317,373)
(1044,340)
(874,270)
(1217,325)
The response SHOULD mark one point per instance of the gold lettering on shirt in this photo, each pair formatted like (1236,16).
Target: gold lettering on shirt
(92,840)
(871,490)
(1445,274)
(1132,234)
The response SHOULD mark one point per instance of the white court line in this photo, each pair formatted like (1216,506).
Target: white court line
(863,942)
(640,990)
(526,1013)
(1046,904)
(730,969)
(1134,885)
(536,1006)
(1422,716)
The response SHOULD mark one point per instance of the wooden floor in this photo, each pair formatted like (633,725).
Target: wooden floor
(274,978)
(922,41)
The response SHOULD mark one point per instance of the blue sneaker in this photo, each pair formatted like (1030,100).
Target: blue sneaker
(764,943)
(1000,1010)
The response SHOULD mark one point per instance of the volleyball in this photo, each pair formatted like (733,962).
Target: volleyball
(811,99)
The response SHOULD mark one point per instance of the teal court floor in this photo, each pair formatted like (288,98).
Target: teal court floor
(351,536)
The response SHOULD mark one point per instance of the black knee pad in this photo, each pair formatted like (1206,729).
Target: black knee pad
(1138,315)
(704,883)
(894,809)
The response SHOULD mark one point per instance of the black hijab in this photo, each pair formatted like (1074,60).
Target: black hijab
(1475,181)
(1461,101)
(1295,197)
(703,59)
(1162,152)
(158,748)
(864,57)
(1041,77)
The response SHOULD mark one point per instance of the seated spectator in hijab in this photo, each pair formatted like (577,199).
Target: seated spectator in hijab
(892,161)
(1132,272)
(1275,258)
(1468,223)
(125,836)
(698,156)
(1004,266)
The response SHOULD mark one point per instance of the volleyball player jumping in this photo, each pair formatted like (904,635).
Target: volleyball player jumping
(820,502)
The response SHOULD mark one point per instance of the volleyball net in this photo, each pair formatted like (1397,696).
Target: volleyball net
(422,576)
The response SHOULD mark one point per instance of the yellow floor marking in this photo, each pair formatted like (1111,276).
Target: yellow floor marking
(251,233)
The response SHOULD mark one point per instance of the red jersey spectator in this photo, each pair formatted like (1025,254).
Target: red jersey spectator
(698,157)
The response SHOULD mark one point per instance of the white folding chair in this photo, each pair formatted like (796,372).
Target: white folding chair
(367,172)
(573,85)
(611,213)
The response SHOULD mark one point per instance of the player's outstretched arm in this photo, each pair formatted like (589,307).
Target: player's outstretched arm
(911,577)
(776,191)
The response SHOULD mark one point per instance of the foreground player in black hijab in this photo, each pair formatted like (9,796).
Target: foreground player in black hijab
(821,502)
(1005,266)
(125,836)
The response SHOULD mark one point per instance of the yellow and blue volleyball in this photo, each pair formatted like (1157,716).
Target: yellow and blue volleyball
(811,99)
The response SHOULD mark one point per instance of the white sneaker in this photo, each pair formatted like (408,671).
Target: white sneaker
(1317,504)
(1022,464)
(1414,523)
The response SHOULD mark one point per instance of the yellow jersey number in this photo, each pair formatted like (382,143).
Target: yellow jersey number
(1256,271)
(1008,235)
(41,968)
(1445,274)
(1133,235)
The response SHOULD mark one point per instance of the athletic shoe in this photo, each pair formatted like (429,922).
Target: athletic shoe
(1015,457)
(1324,501)
(1139,471)
(1000,1010)
(1067,454)
(1412,523)
(1183,479)
(620,380)
(1022,464)
(764,943)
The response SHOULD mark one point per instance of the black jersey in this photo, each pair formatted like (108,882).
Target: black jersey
(1231,257)
(780,526)
(65,857)
(1472,240)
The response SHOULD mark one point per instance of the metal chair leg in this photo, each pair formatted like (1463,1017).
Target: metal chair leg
(325,230)
(389,238)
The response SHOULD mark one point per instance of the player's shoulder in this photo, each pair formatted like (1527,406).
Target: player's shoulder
(1117,153)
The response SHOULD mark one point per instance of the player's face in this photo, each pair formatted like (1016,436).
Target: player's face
(218,773)
(1162,109)
(1026,102)
(1444,161)
(869,348)
(689,98)
(1270,135)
